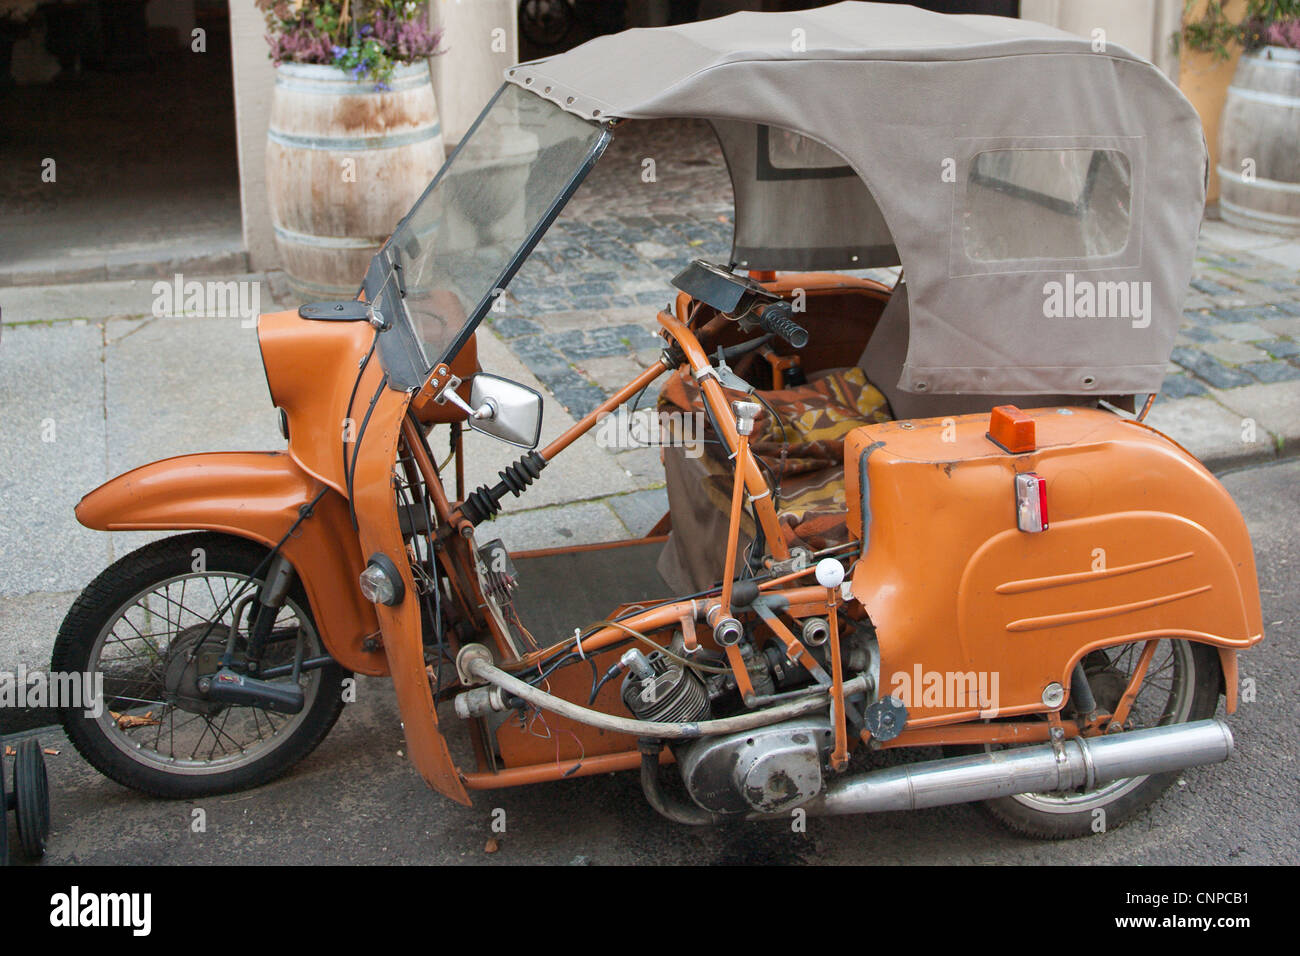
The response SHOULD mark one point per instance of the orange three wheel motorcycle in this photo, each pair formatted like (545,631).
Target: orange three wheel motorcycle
(966,538)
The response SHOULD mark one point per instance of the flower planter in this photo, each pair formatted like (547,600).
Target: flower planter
(343,163)
(1259,136)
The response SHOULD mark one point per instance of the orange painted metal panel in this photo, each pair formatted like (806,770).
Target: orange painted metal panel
(315,365)
(403,642)
(549,738)
(254,495)
(1144,542)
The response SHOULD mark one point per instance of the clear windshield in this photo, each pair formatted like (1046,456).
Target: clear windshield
(484,211)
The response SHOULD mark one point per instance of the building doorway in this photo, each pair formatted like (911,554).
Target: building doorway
(119,155)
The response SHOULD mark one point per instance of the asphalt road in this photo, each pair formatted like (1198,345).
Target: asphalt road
(356,800)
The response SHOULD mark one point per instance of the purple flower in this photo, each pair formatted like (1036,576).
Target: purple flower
(1285,33)
(391,34)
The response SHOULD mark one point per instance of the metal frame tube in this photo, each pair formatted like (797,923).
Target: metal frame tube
(482,669)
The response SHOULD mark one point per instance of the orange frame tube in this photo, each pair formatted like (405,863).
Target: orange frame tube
(759,492)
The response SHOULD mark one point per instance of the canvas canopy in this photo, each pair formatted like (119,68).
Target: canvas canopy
(1042,192)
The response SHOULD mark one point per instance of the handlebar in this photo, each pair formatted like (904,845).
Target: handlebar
(776,318)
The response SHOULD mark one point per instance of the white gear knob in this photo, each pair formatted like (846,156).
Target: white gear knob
(830,573)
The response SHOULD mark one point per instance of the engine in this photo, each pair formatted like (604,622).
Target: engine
(658,688)
(765,770)
(769,770)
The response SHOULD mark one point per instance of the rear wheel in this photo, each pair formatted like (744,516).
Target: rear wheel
(143,627)
(1182,684)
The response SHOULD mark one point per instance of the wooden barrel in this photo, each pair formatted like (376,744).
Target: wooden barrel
(344,162)
(1259,143)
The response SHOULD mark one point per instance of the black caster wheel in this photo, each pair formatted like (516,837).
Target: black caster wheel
(4,814)
(29,799)
(32,797)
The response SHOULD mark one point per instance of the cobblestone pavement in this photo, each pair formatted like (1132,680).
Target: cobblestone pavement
(1241,320)
(581,311)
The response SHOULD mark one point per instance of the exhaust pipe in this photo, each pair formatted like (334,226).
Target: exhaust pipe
(1079,763)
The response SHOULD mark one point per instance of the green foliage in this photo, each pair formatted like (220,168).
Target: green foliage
(1265,21)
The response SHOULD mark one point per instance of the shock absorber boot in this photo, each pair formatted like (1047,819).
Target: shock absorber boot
(484,502)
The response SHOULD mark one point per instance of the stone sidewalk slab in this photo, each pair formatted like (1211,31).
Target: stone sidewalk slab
(1274,407)
(559,526)
(220,257)
(1212,433)
(120,298)
(53,449)
(28,625)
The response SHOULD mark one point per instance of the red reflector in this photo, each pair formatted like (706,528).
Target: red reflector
(1012,430)
(1031,502)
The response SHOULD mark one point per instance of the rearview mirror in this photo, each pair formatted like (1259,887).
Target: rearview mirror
(505,410)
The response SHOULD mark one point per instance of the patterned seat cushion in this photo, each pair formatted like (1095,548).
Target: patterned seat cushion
(802,450)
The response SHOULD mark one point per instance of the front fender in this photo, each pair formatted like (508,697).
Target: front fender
(254,495)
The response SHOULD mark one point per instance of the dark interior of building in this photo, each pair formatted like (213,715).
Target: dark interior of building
(119,136)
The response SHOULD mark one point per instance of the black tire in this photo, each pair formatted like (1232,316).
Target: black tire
(102,740)
(31,798)
(4,813)
(1027,814)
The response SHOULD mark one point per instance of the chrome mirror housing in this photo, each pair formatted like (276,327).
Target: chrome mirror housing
(505,410)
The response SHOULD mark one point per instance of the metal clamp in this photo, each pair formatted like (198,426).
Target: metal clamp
(444,387)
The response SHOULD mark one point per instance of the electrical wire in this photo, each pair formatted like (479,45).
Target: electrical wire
(356,383)
(356,447)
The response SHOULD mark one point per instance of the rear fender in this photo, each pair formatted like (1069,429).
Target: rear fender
(254,495)
(1143,543)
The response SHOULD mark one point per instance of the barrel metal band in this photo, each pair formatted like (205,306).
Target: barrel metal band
(390,141)
(1259,182)
(327,242)
(1261,96)
(349,87)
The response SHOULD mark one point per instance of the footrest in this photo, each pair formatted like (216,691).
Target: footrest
(228,687)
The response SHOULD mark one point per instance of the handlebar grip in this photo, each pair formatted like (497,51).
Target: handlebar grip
(776,319)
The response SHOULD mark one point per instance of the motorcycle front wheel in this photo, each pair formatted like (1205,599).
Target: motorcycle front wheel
(144,627)
(1182,684)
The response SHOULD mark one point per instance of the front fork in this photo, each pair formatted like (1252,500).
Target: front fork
(228,685)
(270,598)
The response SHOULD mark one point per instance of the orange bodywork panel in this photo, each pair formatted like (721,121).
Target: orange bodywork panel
(314,367)
(1143,542)
(403,642)
(254,495)
(316,376)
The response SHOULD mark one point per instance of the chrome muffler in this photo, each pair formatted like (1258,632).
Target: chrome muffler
(1073,764)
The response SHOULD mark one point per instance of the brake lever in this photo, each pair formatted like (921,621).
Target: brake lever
(727,378)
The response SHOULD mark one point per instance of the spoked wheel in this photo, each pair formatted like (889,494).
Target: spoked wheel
(152,627)
(32,798)
(1181,684)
